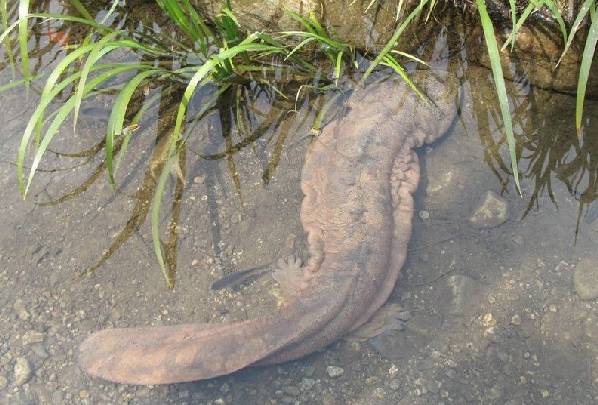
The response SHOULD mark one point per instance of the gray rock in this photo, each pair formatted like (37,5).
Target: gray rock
(3,382)
(23,371)
(585,279)
(492,211)
(335,371)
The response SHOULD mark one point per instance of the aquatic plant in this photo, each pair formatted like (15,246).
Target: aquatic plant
(588,6)
(221,53)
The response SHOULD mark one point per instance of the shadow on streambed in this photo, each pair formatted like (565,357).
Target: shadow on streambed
(246,113)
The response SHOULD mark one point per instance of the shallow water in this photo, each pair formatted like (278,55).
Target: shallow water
(488,314)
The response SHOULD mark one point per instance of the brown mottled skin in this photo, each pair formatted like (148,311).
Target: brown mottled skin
(358,180)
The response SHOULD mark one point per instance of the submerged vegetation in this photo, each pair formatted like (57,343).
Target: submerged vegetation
(192,52)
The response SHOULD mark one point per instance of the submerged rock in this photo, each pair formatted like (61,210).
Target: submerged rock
(334,371)
(585,279)
(23,371)
(493,211)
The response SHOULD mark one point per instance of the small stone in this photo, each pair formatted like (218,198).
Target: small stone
(307,384)
(334,371)
(3,382)
(83,394)
(292,391)
(309,371)
(516,320)
(552,308)
(545,393)
(488,320)
(22,370)
(493,211)
(585,279)
(423,214)
(224,388)
(379,393)
(21,311)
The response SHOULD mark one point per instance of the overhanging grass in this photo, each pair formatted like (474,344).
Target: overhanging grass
(223,54)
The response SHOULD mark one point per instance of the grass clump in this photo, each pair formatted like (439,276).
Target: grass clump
(217,52)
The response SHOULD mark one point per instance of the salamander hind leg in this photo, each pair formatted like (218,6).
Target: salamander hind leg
(290,276)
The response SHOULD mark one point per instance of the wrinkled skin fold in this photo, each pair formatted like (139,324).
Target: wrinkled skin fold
(358,181)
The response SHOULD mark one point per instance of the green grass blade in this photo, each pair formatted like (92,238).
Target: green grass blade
(499,83)
(584,70)
(395,37)
(132,128)
(110,12)
(531,7)
(97,52)
(396,66)
(81,9)
(554,10)
(58,17)
(155,214)
(59,118)
(513,9)
(24,39)
(581,14)
(338,66)
(117,115)
(412,57)
(299,46)
(7,43)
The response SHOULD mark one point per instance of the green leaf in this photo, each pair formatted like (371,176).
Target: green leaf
(24,39)
(499,83)
(97,52)
(58,120)
(117,115)
(581,14)
(584,70)
(395,37)
(155,213)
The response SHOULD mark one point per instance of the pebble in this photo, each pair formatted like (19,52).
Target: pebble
(292,391)
(493,211)
(23,371)
(516,320)
(585,279)
(335,371)
(423,214)
(3,382)
(21,310)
